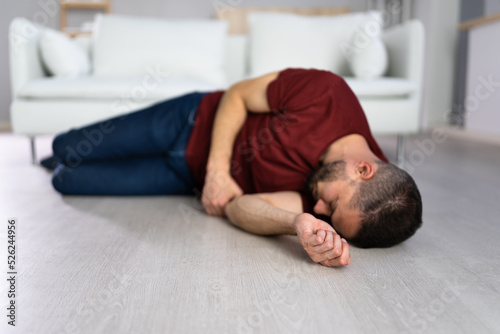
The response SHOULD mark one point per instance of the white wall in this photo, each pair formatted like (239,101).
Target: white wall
(483,80)
(491,7)
(440,19)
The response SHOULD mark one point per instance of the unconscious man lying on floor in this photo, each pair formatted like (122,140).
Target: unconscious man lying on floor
(289,152)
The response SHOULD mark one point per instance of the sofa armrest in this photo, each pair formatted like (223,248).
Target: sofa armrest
(25,61)
(405,46)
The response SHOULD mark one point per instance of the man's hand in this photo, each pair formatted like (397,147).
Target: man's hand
(321,241)
(218,190)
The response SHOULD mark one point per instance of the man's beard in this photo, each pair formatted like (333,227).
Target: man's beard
(331,171)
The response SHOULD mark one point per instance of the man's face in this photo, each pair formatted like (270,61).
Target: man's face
(333,190)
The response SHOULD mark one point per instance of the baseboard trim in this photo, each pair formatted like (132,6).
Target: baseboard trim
(470,135)
(5,126)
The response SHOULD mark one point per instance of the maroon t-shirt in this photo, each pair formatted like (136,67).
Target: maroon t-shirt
(276,151)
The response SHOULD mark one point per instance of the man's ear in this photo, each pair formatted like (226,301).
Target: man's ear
(365,170)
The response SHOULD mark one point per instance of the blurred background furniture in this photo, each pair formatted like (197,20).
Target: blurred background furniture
(67,5)
(47,104)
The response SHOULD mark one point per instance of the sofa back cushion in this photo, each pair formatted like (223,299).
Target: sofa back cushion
(280,40)
(131,46)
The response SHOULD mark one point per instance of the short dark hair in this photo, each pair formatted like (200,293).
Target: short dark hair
(390,205)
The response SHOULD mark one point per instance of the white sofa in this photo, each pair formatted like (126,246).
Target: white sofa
(42,104)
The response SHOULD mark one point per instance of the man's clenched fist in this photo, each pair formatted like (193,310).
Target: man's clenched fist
(321,241)
(218,190)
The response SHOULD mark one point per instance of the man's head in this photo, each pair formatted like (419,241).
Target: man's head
(372,204)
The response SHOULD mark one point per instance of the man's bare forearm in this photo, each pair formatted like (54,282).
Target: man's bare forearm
(229,119)
(245,96)
(255,215)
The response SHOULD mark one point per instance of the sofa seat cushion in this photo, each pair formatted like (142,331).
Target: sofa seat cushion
(147,88)
(135,88)
(381,87)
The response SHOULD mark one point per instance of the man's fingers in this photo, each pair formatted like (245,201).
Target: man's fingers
(217,192)
(219,206)
(321,242)
(346,253)
(320,237)
(209,210)
(218,210)
(314,239)
(238,192)
(337,247)
(213,208)
(330,249)
(206,206)
(326,245)
(209,207)
(342,260)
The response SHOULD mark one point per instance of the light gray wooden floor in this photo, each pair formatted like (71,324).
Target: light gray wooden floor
(160,265)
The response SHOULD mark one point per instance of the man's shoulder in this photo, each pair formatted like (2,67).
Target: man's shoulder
(311,72)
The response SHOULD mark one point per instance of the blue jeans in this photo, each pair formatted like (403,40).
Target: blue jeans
(140,153)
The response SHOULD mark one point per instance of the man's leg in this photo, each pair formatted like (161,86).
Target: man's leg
(145,132)
(135,176)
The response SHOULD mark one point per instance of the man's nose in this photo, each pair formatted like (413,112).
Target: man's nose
(321,208)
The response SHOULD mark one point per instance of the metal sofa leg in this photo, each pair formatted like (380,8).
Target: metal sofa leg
(400,150)
(33,150)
